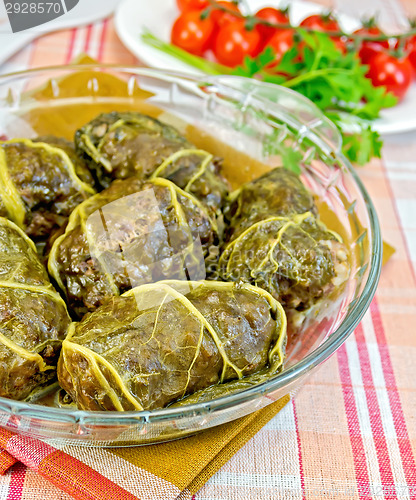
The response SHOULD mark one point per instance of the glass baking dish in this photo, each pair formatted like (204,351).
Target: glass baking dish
(253,126)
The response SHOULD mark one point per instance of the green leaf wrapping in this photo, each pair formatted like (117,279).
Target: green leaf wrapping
(33,317)
(278,192)
(160,342)
(122,145)
(129,234)
(276,241)
(40,183)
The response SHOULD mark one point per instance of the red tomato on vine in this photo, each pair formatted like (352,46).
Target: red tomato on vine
(221,17)
(281,42)
(370,48)
(321,22)
(186,5)
(234,41)
(192,33)
(393,73)
(272,16)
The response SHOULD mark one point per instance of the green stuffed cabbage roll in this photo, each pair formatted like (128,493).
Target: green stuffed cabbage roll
(41,183)
(33,317)
(276,241)
(129,144)
(129,234)
(279,192)
(80,165)
(160,342)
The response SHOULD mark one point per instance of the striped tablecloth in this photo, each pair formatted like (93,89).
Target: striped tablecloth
(351,432)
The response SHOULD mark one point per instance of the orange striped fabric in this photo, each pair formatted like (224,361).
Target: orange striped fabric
(62,470)
(79,480)
(6,461)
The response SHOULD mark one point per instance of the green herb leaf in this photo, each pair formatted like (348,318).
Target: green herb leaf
(360,142)
(292,160)
(276,145)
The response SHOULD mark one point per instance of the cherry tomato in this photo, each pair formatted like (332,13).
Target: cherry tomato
(370,48)
(191,33)
(340,44)
(395,74)
(185,5)
(321,22)
(273,16)
(410,48)
(221,17)
(234,42)
(281,42)
(412,52)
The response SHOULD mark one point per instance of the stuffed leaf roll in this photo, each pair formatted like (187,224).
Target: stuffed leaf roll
(40,184)
(277,193)
(129,234)
(33,317)
(275,241)
(122,145)
(159,342)
(80,165)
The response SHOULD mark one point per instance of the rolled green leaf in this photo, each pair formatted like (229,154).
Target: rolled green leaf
(129,144)
(33,317)
(277,193)
(129,234)
(40,183)
(276,241)
(161,342)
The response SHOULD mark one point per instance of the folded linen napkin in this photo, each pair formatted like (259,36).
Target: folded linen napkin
(167,471)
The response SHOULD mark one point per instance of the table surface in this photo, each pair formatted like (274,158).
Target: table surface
(351,432)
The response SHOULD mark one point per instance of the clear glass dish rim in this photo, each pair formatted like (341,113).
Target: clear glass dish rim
(319,355)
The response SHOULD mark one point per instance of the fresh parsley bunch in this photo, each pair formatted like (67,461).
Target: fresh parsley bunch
(335,82)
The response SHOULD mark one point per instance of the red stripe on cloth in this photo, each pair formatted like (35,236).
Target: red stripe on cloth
(376,423)
(80,480)
(68,57)
(28,450)
(102,40)
(5,435)
(301,473)
(357,445)
(17,481)
(6,461)
(403,439)
(88,38)
(65,472)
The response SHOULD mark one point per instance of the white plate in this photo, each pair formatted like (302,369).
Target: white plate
(134,16)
